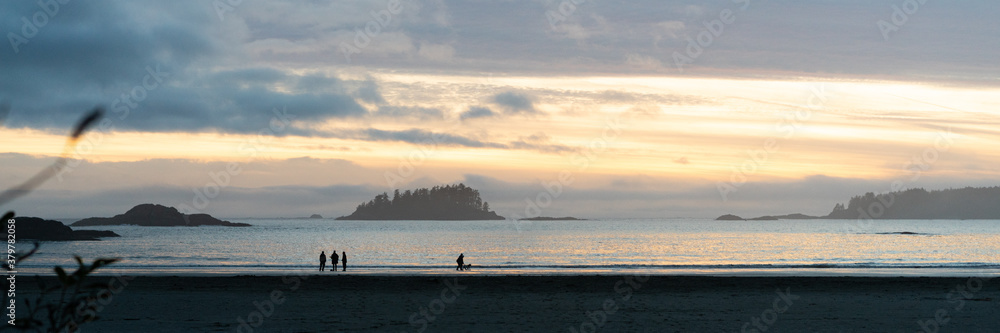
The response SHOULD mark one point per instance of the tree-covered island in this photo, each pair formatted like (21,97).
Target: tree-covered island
(449,202)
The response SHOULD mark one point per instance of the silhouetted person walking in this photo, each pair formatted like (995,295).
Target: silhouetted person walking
(344,256)
(460,261)
(322,260)
(333,257)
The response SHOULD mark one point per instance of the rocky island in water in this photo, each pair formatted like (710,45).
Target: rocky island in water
(152,215)
(970,203)
(450,202)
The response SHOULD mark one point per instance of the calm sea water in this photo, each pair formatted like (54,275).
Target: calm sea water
(613,246)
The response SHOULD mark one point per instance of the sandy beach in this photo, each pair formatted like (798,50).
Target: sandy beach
(459,303)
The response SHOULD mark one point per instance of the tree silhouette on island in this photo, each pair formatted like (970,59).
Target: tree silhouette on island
(449,202)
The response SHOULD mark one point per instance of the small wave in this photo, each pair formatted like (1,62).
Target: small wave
(902,233)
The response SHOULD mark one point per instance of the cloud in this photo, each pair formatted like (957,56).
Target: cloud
(436,52)
(616,96)
(693,11)
(501,37)
(221,72)
(477,112)
(540,142)
(105,53)
(91,53)
(667,30)
(642,61)
(412,112)
(369,91)
(536,142)
(419,136)
(514,102)
(236,101)
(573,31)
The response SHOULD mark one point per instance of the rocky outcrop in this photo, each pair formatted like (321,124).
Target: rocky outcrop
(50,230)
(151,215)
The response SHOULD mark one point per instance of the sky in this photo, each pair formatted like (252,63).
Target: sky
(595,109)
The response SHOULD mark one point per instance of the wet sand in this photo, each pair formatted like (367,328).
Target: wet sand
(459,303)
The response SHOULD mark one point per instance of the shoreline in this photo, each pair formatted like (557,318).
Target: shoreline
(458,302)
(438,271)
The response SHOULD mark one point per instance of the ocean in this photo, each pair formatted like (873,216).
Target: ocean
(604,246)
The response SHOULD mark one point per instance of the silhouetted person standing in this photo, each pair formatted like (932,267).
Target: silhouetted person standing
(460,261)
(333,257)
(343,255)
(322,260)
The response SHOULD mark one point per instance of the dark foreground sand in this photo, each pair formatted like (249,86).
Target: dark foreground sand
(549,304)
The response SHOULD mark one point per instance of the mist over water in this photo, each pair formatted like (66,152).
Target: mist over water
(610,246)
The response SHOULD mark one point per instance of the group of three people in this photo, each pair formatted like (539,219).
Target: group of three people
(333,258)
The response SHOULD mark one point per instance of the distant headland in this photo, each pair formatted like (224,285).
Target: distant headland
(549,218)
(450,202)
(970,203)
(51,230)
(152,215)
